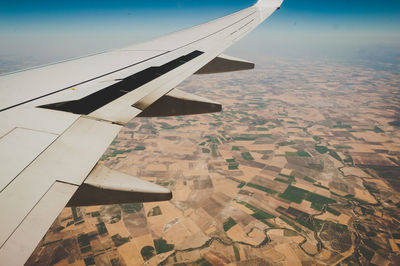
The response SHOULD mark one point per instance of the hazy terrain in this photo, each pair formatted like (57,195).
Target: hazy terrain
(301,167)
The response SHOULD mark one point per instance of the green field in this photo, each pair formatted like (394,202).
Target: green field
(86,249)
(83,240)
(212,139)
(294,194)
(262,215)
(300,153)
(321,186)
(101,228)
(335,155)
(140,148)
(333,211)
(316,138)
(75,214)
(132,207)
(317,206)
(167,126)
(321,149)
(162,246)
(339,124)
(114,153)
(154,212)
(315,198)
(237,253)
(245,137)
(309,179)
(242,184)
(342,126)
(378,129)
(297,195)
(342,147)
(233,166)
(303,154)
(147,252)
(228,224)
(289,177)
(368,254)
(247,156)
(205,150)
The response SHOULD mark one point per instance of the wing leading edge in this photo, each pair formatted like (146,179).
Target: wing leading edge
(59,119)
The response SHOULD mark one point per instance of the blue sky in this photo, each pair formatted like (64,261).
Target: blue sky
(55,30)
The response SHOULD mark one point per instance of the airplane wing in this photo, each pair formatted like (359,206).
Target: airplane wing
(57,120)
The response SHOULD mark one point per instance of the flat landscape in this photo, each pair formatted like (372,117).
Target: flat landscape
(302,167)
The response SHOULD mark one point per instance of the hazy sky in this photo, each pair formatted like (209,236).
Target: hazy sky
(44,31)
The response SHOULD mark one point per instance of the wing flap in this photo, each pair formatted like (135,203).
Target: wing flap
(69,159)
(18,149)
(74,154)
(105,186)
(35,119)
(19,246)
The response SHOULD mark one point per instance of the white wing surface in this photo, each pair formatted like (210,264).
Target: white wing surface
(57,120)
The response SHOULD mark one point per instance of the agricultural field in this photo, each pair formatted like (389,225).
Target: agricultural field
(300,168)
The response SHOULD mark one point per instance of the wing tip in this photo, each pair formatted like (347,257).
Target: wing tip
(269,3)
